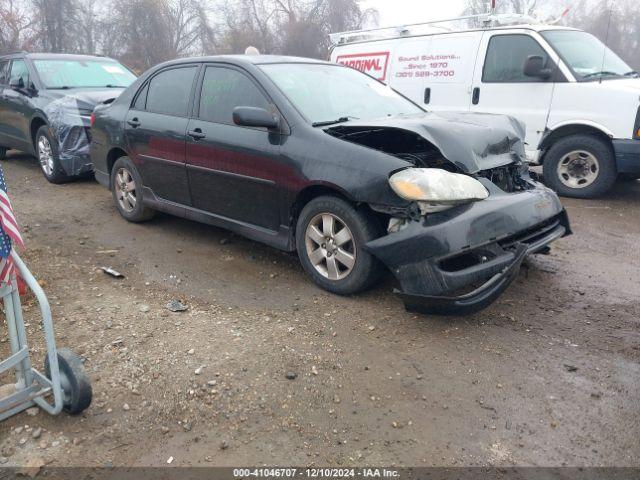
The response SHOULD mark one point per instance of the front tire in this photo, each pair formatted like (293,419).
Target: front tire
(126,186)
(330,239)
(49,157)
(580,166)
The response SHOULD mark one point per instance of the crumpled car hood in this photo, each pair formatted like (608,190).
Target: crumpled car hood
(472,141)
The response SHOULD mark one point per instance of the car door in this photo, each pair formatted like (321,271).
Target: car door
(155,129)
(500,85)
(4,81)
(233,170)
(17,108)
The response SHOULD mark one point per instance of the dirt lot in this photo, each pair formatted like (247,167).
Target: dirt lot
(549,375)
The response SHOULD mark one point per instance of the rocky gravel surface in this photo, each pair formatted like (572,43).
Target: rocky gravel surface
(263,368)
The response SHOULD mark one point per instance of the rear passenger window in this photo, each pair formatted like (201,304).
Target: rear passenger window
(169,91)
(4,73)
(506,56)
(141,99)
(224,89)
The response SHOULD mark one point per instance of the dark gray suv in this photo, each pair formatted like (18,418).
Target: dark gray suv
(46,101)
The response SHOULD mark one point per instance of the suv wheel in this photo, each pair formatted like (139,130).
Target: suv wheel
(330,238)
(47,152)
(126,186)
(580,166)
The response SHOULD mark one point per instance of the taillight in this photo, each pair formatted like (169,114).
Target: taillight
(636,128)
(93,119)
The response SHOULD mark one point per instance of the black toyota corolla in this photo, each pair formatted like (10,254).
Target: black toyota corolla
(316,157)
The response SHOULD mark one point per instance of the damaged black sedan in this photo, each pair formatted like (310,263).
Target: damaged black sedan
(319,158)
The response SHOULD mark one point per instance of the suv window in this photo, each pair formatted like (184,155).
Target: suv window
(224,89)
(169,91)
(4,72)
(19,70)
(506,56)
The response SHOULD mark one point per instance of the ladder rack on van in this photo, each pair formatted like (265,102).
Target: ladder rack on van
(488,20)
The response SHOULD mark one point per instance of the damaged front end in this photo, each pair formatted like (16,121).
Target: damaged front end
(69,123)
(473,213)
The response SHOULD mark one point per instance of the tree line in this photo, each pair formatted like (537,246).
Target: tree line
(142,33)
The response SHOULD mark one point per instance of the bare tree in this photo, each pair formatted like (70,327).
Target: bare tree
(15,26)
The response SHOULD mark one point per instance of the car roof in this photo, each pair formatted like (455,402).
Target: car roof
(249,59)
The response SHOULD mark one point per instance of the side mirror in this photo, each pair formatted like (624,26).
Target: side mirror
(17,83)
(255,117)
(534,67)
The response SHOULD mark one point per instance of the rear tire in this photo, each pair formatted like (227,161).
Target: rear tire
(580,166)
(126,187)
(49,157)
(330,239)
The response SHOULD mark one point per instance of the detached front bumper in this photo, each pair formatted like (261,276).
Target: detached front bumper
(459,261)
(627,155)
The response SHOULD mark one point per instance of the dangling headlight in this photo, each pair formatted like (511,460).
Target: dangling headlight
(435,189)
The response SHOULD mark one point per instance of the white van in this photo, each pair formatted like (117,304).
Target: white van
(579,100)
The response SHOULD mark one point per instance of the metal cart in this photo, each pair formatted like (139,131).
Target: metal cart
(64,374)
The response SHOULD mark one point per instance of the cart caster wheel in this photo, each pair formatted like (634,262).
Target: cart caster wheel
(76,388)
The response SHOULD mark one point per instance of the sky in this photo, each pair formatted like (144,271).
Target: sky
(400,12)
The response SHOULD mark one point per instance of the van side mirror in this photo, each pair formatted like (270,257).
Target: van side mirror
(255,117)
(534,67)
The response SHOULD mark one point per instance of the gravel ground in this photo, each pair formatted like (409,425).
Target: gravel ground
(265,368)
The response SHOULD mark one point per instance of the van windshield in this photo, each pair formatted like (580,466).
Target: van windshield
(326,94)
(587,56)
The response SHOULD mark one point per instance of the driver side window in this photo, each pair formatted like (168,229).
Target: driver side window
(506,56)
(224,89)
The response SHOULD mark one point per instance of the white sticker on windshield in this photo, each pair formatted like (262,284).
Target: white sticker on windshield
(113,69)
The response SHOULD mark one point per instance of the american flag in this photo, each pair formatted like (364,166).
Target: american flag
(9,233)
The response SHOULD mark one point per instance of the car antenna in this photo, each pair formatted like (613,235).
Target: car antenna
(606,41)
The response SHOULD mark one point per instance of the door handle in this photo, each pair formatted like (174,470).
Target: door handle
(134,122)
(196,134)
(427,95)
(475,99)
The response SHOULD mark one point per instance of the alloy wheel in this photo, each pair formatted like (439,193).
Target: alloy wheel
(330,246)
(125,190)
(45,155)
(578,169)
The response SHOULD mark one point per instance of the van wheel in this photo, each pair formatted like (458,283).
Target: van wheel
(48,156)
(330,238)
(3,153)
(126,186)
(580,166)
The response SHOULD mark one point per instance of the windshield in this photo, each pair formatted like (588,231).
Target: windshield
(332,93)
(587,56)
(83,73)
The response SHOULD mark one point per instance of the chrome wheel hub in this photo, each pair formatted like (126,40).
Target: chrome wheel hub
(125,190)
(578,169)
(330,246)
(45,155)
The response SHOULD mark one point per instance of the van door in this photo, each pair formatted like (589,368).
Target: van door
(436,71)
(500,85)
